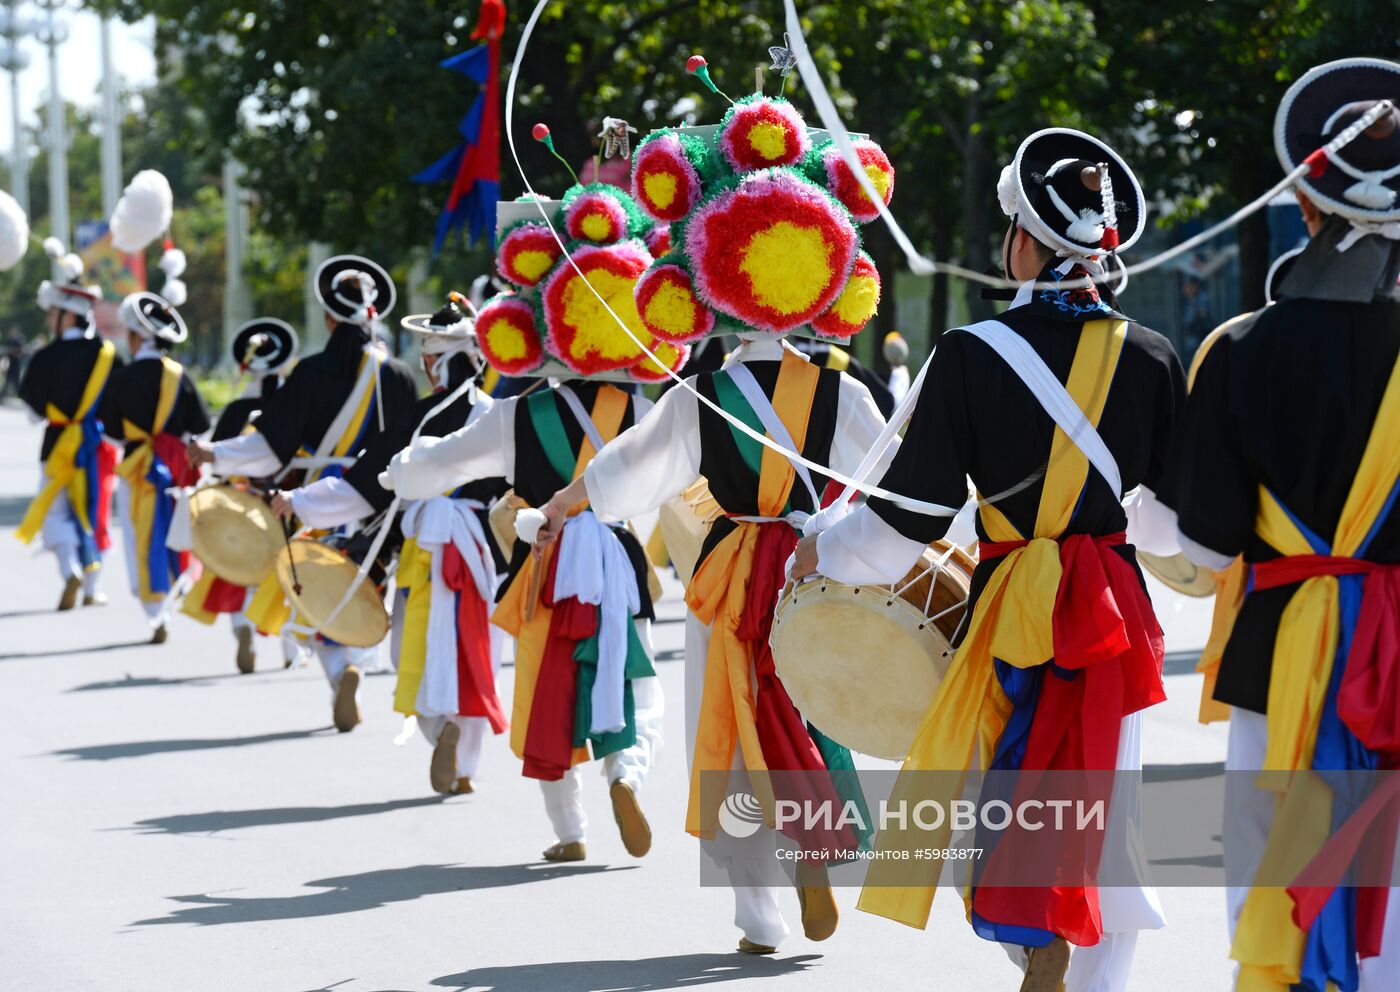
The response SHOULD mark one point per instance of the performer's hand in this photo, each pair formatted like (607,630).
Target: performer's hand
(554,519)
(805,558)
(199,452)
(282,505)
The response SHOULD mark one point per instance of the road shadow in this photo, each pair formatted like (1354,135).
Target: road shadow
(640,975)
(64,652)
(239,819)
(140,749)
(1183,773)
(151,681)
(370,890)
(37,611)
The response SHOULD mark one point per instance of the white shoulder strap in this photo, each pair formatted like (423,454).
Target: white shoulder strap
(575,405)
(772,423)
(1051,394)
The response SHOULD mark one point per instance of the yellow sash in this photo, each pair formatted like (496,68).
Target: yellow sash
(416,576)
(717,594)
(1267,944)
(513,613)
(1013,621)
(136,465)
(60,474)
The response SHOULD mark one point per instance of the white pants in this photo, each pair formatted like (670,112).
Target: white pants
(59,533)
(563,799)
(752,861)
(291,647)
(1249,813)
(473,730)
(335,658)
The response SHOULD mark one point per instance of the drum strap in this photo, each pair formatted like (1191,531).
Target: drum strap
(1052,394)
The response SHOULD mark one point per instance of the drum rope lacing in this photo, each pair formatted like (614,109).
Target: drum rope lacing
(917,262)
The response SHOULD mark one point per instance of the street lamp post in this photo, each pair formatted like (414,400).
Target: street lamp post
(52,33)
(111,126)
(14,60)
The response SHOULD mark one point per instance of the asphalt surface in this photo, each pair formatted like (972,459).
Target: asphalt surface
(171,825)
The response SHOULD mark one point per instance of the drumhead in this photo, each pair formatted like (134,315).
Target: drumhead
(685,523)
(324,574)
(1179,573)
(235,534)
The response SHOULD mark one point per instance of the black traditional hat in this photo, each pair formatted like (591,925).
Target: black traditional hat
(353,289)
(70,294)
(1360,181)
(1279,272)
(1073,193)
(264,344)
(151,316)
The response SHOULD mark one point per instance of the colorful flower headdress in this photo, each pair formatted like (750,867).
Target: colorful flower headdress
(763,218)
(556,312)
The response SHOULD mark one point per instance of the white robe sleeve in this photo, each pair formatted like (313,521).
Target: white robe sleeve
(329,502)
(650,462)
(1151,523)
(483,449)
(858,424)
(248,454)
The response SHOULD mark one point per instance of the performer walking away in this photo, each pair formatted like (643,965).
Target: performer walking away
(740,723)
(445,648)
(580,614)
(264,350)
(1290,456)
(64,385)
(1060,407)
(331,407)
(154,408)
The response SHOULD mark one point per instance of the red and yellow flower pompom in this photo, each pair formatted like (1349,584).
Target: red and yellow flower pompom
(857,303)
(666,169)
(526,253)
(835,172)
(772,252)
(658,240)
(759,132)
(580,330)
(509,339)
(597,213)
(668,306)
(674,355)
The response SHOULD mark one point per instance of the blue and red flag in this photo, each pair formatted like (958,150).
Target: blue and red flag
(475,165)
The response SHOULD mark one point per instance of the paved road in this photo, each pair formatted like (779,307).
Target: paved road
(170,825)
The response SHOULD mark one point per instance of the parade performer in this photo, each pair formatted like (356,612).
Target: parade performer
(331,407)
(154,407)
(445,649)
(580,614)
(64,384)
(770,245)
(264,350)
(1059,407)
(1289,456)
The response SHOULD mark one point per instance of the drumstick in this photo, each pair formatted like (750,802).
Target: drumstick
(287,540)
(532,594)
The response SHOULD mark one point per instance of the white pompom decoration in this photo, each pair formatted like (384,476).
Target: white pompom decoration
(54,248)
(1006,192)
(1088,229)
(71,265)
(144,211)
(175,292)
(173,263)
(14,232)
(528,523)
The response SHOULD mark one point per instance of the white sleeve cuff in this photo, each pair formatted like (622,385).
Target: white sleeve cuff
(248,454)
(1151,523)
(329,502)
(1202,555)
(862,549)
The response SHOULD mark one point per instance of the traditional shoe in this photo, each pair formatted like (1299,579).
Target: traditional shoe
(442,773)
(463,786)
(345,711)
(96,599)
(246,656)
(747,946)
(160,635)
(631,821)
(69,599)
(1046,970)
(572,851)
(819,915)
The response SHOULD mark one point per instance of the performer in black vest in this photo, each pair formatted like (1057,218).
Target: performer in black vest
(1289,456)
(332,406)
(154,407)
(264,349)
(985,412)
(64,384)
